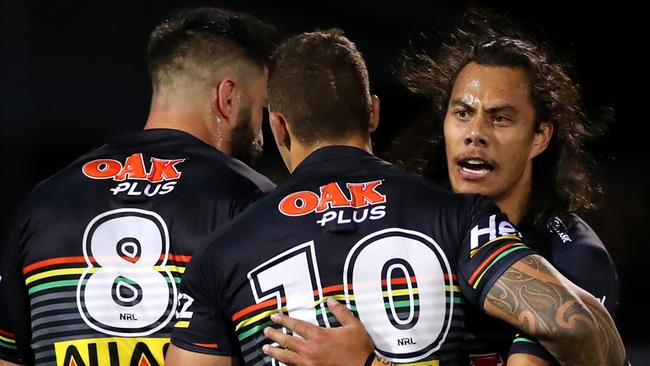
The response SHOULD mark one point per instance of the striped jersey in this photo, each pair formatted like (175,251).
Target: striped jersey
(94,262)
(404,255)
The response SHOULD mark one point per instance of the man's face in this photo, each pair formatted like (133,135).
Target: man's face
(246,135)
(489,131)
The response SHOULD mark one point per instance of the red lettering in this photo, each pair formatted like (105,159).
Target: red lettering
(162,170)
(364,194)
(133,168)
(101,169)
(331,196)
(299,203)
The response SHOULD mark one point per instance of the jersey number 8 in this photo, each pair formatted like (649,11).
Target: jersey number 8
(126,290)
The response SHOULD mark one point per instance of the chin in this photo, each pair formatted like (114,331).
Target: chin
(470,187)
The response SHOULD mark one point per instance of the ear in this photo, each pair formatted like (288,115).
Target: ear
(224,98)
(280,130)
(541,138)
(374,113)
(282,137)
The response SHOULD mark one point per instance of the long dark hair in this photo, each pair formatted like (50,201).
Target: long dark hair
(562,174)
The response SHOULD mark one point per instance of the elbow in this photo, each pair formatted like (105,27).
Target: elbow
(587,326)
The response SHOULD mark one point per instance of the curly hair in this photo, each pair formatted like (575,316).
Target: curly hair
(562,174)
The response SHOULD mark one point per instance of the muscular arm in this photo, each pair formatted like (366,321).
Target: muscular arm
(179,357)
(571,324)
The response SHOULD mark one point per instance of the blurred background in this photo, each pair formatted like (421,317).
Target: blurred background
(73,75)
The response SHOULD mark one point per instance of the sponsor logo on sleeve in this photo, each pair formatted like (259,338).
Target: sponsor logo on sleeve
(481,235)
(556,225)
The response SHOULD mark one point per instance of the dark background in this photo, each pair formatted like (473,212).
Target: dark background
(73,75)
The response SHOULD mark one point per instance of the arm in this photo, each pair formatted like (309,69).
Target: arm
(533,296)
(523,359)
(526,351)
(7,363)
(179,356)
(202,334)
(587,264)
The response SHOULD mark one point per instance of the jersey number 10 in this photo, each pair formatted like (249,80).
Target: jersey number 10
(406,324)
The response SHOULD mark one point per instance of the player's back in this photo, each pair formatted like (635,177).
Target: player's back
(347,225)
(101,246)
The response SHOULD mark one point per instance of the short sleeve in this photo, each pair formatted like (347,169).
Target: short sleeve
(490,246)
(202,325)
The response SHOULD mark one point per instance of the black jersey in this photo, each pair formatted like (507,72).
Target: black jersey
(93,264)
(404,255)
(577,252)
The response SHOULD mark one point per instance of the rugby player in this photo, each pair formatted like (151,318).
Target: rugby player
(404,254)
(98,250)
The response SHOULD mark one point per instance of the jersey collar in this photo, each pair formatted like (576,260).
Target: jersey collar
(331,153)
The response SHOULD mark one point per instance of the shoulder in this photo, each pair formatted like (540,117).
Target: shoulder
(578,252)
(427,192)
(56,186)
(225,173)
(574,238)
(248,174)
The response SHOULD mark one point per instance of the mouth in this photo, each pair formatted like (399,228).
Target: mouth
(474,168)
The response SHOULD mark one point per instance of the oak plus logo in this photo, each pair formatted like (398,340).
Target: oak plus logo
(156,177)
(356,202)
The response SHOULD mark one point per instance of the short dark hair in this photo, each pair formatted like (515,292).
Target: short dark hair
(208,36)
(319,82)
(562,174)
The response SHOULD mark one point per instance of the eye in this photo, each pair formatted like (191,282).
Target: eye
(462,114)
(499,118)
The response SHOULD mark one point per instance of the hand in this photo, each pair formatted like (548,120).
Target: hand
(348,345)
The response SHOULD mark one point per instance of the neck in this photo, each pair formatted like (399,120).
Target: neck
(515,202)
(300,152)
(189,118)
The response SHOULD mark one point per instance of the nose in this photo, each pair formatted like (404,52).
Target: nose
(475,134)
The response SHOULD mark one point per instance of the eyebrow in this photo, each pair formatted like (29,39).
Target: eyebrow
(461,103)
(495,109)
(503,108)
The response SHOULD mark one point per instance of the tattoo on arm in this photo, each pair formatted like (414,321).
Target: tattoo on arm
(571,324)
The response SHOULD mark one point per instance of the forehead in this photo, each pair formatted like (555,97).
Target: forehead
(493,84)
